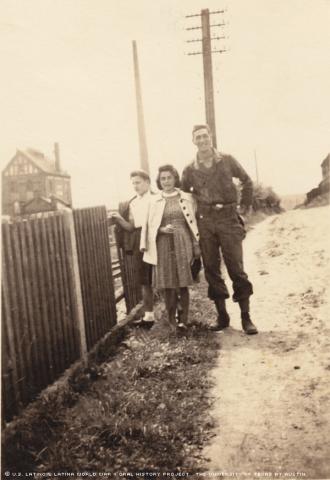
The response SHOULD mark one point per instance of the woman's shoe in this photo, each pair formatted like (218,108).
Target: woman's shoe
(182,326)
(148,320)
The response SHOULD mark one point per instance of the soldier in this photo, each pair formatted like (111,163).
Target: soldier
(210,179)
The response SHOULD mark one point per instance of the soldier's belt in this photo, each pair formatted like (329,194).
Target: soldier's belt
(216,207)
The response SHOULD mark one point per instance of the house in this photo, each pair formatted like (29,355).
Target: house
(323,189)
(31,183)
(325,182)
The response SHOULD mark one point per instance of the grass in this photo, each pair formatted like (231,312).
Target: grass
(144,409)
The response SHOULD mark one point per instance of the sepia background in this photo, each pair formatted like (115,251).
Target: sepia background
(67,76)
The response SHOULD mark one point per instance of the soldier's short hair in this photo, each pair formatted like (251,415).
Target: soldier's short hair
(141,174)
(199,127)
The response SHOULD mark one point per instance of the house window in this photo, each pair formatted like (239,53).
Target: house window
(13,186)
(51,187)
(59,190)
(22,169)
(36,187)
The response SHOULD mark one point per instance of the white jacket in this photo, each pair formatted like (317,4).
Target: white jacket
(154,219)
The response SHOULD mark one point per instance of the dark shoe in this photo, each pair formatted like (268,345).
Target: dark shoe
(222,322)
(182,328)
(137,322)
(247,324)
(147,325)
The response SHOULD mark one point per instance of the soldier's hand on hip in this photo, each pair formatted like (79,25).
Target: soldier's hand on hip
(243,210)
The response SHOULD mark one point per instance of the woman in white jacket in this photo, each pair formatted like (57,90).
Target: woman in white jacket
(170,241)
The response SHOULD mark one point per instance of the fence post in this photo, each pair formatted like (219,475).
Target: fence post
(74,266)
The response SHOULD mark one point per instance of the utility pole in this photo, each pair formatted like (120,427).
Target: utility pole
(208,75)
(140,117)
(256,166)
(207,65)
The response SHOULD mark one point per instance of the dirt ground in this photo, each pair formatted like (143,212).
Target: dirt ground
(272,390)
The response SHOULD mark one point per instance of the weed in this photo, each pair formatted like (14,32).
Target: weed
(142,409)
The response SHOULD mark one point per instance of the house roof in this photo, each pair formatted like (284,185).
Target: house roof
(41,161)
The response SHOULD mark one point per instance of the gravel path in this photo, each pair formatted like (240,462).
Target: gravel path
(272,390)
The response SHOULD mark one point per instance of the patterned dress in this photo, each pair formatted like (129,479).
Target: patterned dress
(174,251)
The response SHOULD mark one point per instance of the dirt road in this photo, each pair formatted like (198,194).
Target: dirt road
(272,390)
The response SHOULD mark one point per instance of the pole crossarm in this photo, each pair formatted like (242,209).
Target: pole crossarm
(212,51)
(210,13)
(200,39)
(213,25)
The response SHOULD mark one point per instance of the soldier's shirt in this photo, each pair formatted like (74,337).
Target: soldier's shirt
(215,184)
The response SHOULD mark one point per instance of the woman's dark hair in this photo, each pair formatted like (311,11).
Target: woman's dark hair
(173,171)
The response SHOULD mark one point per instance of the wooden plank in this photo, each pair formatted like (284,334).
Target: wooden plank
(92,268)
(89,279)
(84,259)
(52,310)
(24,327)
(9,397)
(63,329)
(109,286)
(26,271)
(93,275)
(44,319)
(103,261)
(68,317)
(98,301)
(58,304)
(14,310)
(74,269)
(106,279)
(8,326)
(111,254)
(37,312)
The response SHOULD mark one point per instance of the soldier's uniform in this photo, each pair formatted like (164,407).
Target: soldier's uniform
(219,223)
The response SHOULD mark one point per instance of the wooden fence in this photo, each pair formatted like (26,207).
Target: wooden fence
(95,272)
(58,297)
(40,318)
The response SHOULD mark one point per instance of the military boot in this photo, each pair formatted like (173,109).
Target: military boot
(223,317)
(247,324)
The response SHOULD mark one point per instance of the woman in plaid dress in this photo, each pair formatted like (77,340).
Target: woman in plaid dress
(172,227)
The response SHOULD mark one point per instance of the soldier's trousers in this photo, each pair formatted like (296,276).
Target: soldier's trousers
(223,230)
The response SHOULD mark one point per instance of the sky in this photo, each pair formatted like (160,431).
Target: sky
(67,77)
